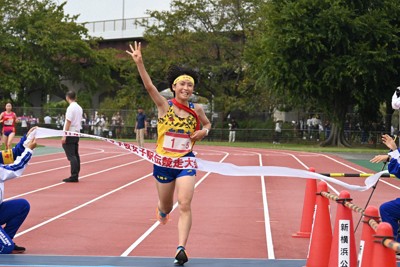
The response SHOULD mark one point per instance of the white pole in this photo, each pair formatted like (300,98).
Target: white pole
(123,15)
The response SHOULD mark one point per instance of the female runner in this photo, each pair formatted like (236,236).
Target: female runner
(178,128)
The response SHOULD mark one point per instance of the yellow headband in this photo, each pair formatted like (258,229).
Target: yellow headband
(184,77)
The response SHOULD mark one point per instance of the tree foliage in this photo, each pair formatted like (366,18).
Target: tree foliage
(41,47)
(334,54)
(209,36)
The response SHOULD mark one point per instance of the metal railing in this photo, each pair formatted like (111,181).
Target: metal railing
(119,28)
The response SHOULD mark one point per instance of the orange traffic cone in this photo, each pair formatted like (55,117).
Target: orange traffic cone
(367,239)
(321,235)
(383,256)
(343,249)
(308,208)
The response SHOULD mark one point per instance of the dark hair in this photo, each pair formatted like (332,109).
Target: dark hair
(71,95)
(176,71)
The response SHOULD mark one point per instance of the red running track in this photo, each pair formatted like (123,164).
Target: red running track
(110,212)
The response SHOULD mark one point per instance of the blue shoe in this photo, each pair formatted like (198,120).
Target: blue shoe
(162,217)
(181,257)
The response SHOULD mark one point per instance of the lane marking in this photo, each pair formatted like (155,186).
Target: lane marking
(267,223)
(355,169)
(157,223)
(307,167)
(86,203)
(267,219)
(62,158)
(61,183)
(68,166)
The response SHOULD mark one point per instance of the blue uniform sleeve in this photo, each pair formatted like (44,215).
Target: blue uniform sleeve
(394,167)
(16,169)
(19,148)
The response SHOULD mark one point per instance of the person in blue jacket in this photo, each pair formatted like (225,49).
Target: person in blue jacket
(13,212)
(390,211)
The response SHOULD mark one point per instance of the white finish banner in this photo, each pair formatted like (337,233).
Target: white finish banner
(210,166)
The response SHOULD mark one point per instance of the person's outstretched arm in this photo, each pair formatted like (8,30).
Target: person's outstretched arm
(157,98)
(16,169)
(393,153)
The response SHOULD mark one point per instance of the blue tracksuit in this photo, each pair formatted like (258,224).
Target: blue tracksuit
(390,211)
(12,212)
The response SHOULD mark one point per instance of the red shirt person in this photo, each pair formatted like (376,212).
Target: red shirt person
(8,118)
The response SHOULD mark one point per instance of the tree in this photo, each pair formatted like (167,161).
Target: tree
(41,47)
(209,36)
(333,53)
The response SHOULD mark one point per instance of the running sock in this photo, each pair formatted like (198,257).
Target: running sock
(162,214)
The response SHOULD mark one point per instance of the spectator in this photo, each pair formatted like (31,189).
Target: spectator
(85,123)
(153,125)
(117,123)
(106,128)
(140,127)
(24,123)
(92,125)
(309,127)
(70,144)
(60,121)
(47,120)
(316,122)
(96,124)
(33,121)
(302,126)
(8,118)
(233,125)
(327,128)
(278,132)
(101,124)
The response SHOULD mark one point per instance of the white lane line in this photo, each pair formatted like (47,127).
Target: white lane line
(342,163)
(357,170)
(82,177)
(68,166)
(63,156)
(306,167)
(267,219)
(154,226)
(84,204)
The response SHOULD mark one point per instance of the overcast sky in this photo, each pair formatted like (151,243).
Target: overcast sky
(94,10)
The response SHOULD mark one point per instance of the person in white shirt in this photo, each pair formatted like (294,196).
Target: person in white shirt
(396,99)
(278,132)
(47,119)
(70,144)
(24,124)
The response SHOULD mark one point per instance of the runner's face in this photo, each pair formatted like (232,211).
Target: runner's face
(183,89)
(8,107)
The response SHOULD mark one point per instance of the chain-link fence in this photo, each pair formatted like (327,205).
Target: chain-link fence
(257,127)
